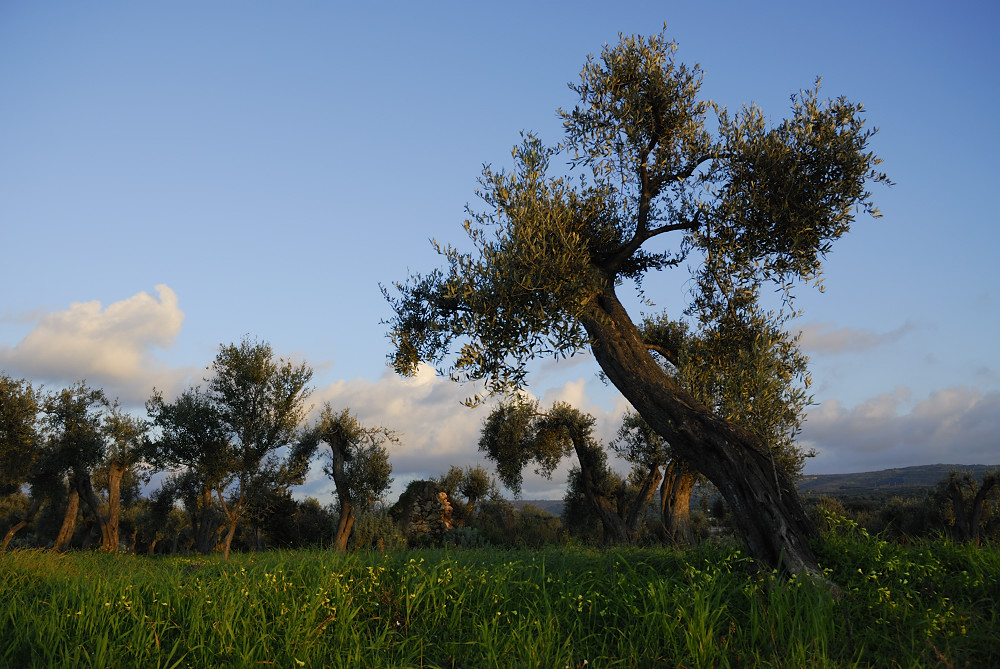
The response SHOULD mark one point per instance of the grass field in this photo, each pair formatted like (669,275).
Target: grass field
(932,604)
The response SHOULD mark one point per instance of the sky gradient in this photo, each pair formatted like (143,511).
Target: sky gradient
(177,176)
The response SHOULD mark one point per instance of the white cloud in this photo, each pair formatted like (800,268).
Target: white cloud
(957,425)
(827,338)
(109,347)
(426,411)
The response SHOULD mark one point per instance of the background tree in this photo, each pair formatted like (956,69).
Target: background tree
(747,369)
(20,446)
(152,519)
(125,448)
(76,445)
(315,524)
(636,442)
(969,504)
(194,444)
(359,463)
(516,433)
(270,508)
(260,400)
(476,485)
(749,203)
(465,488)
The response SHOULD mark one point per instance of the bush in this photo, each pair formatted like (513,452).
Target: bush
(376,530)
(464,537)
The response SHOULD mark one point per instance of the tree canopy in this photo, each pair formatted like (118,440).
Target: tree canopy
(228,434)
(20,442)
(753,201)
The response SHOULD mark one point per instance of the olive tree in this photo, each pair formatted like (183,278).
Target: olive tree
(748,371)
(226,438)
(636,442)
(969,505)
(260,401)
(21,446)
(661,177)
(75,445)
(471,483)
(193,444)
(358,463)
(125,445)
(518,432)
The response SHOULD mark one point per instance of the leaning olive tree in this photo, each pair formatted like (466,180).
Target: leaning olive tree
(747,370)
(664,177)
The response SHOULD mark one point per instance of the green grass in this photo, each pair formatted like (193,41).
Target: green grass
(928,605)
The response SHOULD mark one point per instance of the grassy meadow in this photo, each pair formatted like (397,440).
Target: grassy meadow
(930,604)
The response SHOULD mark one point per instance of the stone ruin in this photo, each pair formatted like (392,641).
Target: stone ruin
(424,510)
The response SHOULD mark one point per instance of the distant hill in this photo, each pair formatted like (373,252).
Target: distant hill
(904,481)
(553,506)
(886,480)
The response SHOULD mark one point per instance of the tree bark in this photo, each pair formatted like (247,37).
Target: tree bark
(615,531)
(36,504)
(636,511)
(338,456)
(675,503)
(206,525)
(115,474)
(69,520)
(344,527)
(621,525)
(228,541)
(109,540)
(766,506)
(232,518)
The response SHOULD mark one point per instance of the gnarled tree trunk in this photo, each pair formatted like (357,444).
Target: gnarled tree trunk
(206,527)
(115,474)
(232,519)
(109,535)
(621,525)
(69,520)
(338,455)
(675,502)
(637,510)
(615,531)
(345,526)
(765,504)
(36,504)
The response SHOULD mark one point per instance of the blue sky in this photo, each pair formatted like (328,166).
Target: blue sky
(178,175)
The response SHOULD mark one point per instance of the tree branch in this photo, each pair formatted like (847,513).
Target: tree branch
(668,355)
(613,260)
